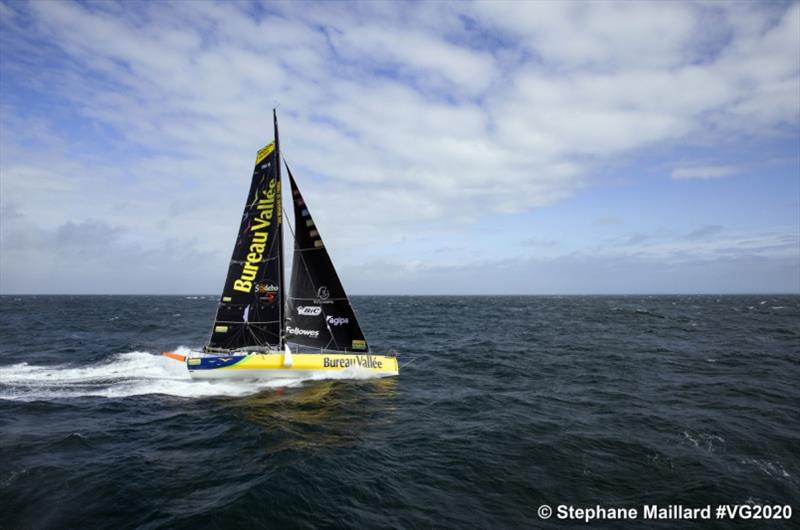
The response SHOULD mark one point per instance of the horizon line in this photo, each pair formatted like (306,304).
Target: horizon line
(767,293)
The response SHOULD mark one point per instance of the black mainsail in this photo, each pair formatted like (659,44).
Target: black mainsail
(319,313)
(250,310)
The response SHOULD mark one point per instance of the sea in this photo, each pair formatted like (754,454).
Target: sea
(504,405)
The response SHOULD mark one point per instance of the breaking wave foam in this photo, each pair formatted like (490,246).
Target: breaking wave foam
(132,374)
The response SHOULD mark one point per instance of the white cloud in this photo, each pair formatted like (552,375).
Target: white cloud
(707,243)
(708,260)
(391,117)
(704,172)
(430,59)
(598,35)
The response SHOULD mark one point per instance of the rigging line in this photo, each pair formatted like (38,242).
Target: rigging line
(305,265)
(265,260)
(247,212)
(272,252)
(409,363)
(347,297)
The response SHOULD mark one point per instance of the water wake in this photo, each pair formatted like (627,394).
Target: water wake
(129,374)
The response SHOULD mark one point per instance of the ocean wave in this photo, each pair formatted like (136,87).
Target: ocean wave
(707,441)
(771,469)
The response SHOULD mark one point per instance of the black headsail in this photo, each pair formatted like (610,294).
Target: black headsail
(250,311)
(319,313)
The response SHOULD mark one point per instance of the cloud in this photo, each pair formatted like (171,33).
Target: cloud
(427,58)
(92,256)
(606,220)
(397,118)
(704,172)
(708,243)
(637,238)
(741,262)
(538,242)
(704,231)
(589,34)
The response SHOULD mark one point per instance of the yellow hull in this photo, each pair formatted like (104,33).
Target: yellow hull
(299,365)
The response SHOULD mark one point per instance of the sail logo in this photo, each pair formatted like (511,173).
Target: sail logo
(312,333)
(266,290)
(258,243)
(323,293)
(337,321)
(309,310)
(264,152)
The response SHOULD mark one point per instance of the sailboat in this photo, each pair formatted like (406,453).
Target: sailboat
(258,333)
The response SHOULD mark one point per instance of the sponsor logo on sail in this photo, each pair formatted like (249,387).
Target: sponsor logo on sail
(313,333)
(309,310)
(266,290)
(264,152)
(323,293)
(259,226)
(337,321)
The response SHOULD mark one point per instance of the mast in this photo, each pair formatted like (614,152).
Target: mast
(280,228)
(250,311)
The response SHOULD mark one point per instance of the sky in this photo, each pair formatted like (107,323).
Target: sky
(443,148)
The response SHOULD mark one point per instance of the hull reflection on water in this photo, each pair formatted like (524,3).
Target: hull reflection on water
(320,413)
